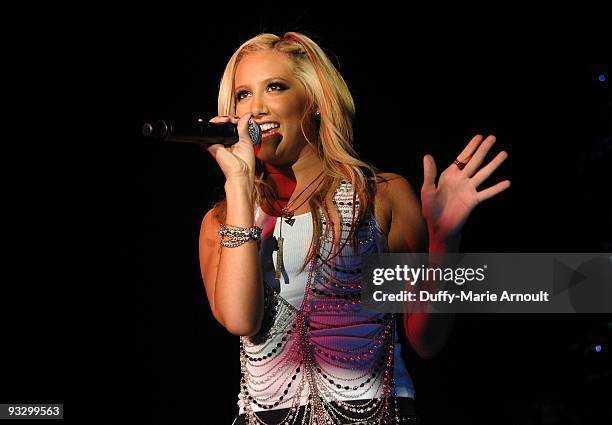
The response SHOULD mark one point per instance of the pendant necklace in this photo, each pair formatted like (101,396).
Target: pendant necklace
(287,216)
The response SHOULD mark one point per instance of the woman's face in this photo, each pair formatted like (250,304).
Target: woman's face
(264,85)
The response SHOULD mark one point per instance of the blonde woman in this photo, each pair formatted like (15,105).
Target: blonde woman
(281,254)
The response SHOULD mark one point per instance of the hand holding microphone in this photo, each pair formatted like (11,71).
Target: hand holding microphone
(237,161)
(229,140)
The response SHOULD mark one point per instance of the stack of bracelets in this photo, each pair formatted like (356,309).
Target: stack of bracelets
(232,236)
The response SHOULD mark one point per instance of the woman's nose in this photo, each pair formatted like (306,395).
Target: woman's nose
(258,105)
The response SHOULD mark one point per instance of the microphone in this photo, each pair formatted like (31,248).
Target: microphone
(199,131)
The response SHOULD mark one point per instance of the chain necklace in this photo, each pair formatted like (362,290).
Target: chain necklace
(285,212)
(287,216)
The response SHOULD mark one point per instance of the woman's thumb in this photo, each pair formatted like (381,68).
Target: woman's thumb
(429,172)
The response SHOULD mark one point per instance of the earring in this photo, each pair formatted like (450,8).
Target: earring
(317,114)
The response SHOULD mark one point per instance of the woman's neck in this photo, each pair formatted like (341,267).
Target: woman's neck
(291,180)
(283,180)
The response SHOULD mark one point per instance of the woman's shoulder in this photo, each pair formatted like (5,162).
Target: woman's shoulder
(399,203)
(393,193)
(388,176)
(389,185)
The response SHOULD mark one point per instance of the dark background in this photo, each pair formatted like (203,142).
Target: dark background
(422,84)
(418,89)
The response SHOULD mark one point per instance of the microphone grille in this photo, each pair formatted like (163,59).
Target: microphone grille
(254,132)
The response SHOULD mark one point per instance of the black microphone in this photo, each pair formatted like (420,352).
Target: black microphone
(199,131)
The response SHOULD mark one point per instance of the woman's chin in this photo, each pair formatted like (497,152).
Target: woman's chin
(272,159)
(268,151)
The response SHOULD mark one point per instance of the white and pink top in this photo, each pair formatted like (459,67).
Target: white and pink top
(316,337)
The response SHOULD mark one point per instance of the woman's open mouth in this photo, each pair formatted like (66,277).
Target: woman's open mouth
(272,132)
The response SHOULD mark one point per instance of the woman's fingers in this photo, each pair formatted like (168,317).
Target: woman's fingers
(224,118)
(493,190)
(219,119)
(243,128)
(478,157)
(214,149)
(471,147)
(487,170)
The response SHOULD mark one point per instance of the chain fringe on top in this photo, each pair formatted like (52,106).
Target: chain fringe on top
(286,355)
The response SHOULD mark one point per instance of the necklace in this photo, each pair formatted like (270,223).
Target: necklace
(287,216)
(286,213)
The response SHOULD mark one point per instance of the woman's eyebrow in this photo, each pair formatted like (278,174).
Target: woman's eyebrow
(266,81)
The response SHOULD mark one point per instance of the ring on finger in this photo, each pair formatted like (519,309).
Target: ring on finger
(461,165)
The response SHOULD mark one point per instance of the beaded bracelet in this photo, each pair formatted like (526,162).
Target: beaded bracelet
(232,236)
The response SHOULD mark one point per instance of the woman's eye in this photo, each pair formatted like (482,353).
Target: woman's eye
(277,86)
(271,87)
(241,95)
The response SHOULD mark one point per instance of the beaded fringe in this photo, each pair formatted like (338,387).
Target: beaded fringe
(296,361)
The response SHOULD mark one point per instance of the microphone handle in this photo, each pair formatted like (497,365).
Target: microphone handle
(202,140)
(203,134)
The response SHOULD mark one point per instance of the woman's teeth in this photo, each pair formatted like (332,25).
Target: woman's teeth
(268,126)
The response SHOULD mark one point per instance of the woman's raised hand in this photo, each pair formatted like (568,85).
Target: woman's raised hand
(447,206)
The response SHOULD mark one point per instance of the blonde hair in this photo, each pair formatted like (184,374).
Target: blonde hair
(326,91)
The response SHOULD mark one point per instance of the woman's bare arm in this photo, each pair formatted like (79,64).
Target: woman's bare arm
(232,276)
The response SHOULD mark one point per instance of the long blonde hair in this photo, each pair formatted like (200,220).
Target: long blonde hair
(326,91)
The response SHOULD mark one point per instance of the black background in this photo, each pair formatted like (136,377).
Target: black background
(126,239)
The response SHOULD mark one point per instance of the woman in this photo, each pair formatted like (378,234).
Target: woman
(281,254)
